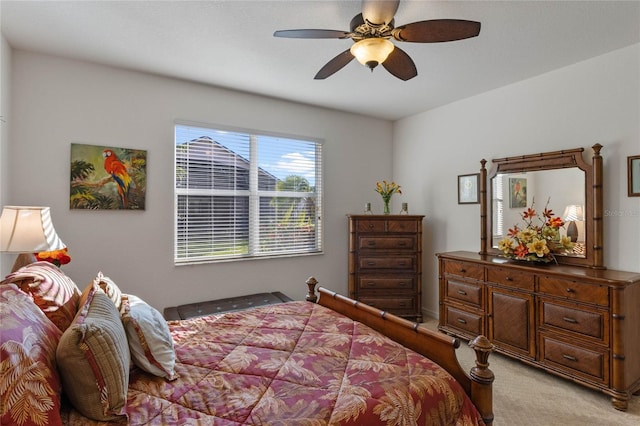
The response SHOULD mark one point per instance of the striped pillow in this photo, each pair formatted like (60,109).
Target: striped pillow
(93,358)
(54,292)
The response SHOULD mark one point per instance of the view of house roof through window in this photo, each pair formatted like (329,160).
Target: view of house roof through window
(242,195)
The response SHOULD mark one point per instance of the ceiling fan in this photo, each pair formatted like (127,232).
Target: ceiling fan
(371,31)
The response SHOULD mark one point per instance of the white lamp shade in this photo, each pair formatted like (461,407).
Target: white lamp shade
(573,212)
(25,229)
(371,50)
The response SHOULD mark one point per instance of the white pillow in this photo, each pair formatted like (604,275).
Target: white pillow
(110,288)
(150,341)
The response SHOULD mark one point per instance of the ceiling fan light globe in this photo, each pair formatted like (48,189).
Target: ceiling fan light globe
(372,51)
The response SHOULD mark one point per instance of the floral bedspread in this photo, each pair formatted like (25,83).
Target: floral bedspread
(296,363)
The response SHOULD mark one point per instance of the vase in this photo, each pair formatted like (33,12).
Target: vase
(386,207)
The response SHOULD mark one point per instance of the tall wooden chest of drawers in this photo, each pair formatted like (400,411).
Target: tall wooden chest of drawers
(579,323)
(385,263)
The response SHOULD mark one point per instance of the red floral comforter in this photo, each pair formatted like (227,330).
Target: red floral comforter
(296,363)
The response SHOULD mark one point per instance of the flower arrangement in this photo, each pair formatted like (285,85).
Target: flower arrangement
(57,257)
(538,240)
(386,190)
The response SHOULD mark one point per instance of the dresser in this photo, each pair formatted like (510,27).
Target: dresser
(385,263)
(578,323)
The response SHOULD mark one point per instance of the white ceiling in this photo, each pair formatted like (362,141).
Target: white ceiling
(231,44)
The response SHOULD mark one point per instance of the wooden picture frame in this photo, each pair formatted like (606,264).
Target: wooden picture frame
(517,193)
(469,189)
(633,175)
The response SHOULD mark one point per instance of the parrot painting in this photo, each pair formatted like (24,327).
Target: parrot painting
(118,172)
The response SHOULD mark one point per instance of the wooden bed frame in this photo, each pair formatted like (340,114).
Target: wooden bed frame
(436,346)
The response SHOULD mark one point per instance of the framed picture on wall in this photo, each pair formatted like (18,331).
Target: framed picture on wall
(107,178)
(633,174)
(469,189)
(517,193)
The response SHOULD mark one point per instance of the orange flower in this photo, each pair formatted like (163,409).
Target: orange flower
(57,257)
(556,222)
(521,251)
(529,213)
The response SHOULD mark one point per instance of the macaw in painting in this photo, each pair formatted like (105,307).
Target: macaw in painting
(118,172)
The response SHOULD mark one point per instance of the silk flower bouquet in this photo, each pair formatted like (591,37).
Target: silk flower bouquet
(538,240)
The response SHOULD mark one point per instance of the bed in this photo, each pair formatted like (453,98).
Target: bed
(321,361)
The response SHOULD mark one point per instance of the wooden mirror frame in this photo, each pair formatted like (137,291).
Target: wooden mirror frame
(548,161)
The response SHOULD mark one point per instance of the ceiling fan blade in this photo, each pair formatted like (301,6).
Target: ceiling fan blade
(400,64)
(379,12)
(311,34)
(334,65)
(437,30)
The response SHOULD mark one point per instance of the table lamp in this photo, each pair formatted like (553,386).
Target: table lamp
(571,214)
(27,230)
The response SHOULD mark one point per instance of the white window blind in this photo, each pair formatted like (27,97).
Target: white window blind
(241,195)
(498,206)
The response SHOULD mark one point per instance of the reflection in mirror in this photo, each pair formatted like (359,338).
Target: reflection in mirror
(513,193)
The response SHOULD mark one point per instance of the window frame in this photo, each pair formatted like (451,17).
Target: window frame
(254,194)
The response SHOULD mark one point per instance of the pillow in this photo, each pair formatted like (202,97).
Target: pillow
(110,289)
(150,341)
(54,292)
(28,376)
(93,358)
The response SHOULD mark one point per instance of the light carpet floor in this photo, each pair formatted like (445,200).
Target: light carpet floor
(524,395)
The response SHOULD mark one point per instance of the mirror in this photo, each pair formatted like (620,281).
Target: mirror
(561,181)
(557,190)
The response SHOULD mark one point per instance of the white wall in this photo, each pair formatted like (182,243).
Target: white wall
(596,101)
(5,114)
(57,102)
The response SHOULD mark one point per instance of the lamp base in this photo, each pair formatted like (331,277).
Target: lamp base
(572,231)
(23,259)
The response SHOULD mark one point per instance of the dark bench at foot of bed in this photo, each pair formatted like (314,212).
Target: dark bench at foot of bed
(209,307)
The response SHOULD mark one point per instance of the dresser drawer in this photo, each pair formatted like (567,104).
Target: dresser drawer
(387,243)
(386,283)
(367,225)
(464,292)
(511,278)
(590,323)
(400,263)
(462,320)
(590,363)
(574,290)
(401,226)
(395,305)
(464,269)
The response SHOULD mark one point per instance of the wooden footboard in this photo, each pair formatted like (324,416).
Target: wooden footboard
(436,346)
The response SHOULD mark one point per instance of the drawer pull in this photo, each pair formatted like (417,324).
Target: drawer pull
(402,284)
(462,321)
(509,279)
(371,243)
(462,270)
(371,284)
(402,263)
(571,320)
(570,290)
(402,243)
(462,292)
(402,304)
(371,263)
(569,357)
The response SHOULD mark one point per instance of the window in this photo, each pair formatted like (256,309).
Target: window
(241,195)
(498,206)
